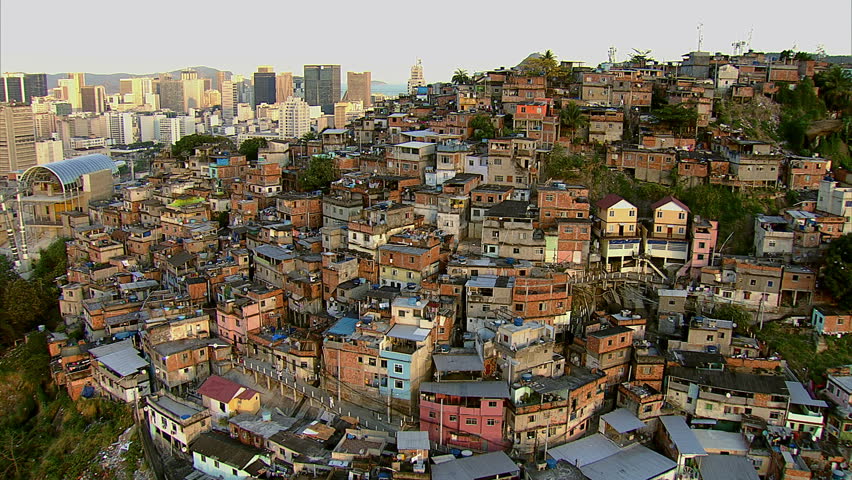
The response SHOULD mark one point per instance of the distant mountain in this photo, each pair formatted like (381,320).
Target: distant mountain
(110,81)
(378,82)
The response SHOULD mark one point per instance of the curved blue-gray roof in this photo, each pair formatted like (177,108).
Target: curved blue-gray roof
(71,169)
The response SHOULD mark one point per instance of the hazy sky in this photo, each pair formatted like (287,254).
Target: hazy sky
(386,37)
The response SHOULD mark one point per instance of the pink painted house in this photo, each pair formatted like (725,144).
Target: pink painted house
(235,318)
(465,415)
(704,235)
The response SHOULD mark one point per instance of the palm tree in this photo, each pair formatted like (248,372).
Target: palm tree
(548,55)
(835,88)
(641,57)
(572,117)
(461,77)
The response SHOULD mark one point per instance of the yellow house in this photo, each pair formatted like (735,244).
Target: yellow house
(670,218)
(618,231)
(617,217)
(225,398)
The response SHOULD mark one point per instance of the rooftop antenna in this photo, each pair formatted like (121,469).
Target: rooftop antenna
(700,35)
(611,54)
(748,42)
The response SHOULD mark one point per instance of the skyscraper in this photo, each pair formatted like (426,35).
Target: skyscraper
(22,87)
(17,138)
(283,86)
(121,127)
(171,94)
(359,87)
(221,78)
(229,101)
(295,118)
(264,86)
(93,98)
(70,89)
(416,79)
(322,86)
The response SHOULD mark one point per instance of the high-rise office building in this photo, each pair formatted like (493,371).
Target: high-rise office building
(295,118)
(93,98)
(79,77)
(221,78)
(135,90)
(283,86)
(70,89)
(322,86)
(188,74)
(229,101)
(171,94)
(359,87)
(17,138)
(22,87)
(193,93)
(416,79)
(264,86)
(121,128)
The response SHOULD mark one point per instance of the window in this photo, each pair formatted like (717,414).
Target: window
(770,283)
(498,178)
(491,422)
(360,359)
(752,282)
(632,213)
(548,198)
(519,307)
(659,214)
(701,245)
(372,362)
(708,406)
(709,338)
(470,421)
(611,213)
(397,368)
(492,404)
(795,278)
(397,384)
(531,418)
(453,418)
(516,251)
(530,435)
(431,414)
(383,364)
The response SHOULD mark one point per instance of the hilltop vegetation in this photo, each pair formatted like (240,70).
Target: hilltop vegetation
(44,434)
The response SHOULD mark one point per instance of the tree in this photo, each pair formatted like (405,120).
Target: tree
(250,147)
(460,77)
(640,57)
(544,64)
(186,145)
(837,273)
(573,118)
(482,128)
(835,88)
(800,107)
(319,174)
(307,137)
(224,219)
(559,164)
(681,118)
(735,313)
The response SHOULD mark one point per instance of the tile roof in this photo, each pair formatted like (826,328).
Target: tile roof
(224,390)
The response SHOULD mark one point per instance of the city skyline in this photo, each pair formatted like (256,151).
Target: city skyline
(770,31)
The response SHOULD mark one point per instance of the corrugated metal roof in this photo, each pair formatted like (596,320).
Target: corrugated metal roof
(727,467)
(71,169)
(409,332)
(412,440)
(120,357)
(800,396)
(478,466)
(458,363)
(622,420)
(682,436)
(633,463)
(585,451)
(496,389)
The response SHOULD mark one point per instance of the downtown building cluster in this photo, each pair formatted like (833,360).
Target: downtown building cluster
(440,298)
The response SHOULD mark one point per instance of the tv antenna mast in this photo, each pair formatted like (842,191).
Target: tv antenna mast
(700,35)
(611,54)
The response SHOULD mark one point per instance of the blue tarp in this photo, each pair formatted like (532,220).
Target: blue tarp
(344,326)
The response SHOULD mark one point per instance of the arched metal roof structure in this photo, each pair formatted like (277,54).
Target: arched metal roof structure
(70,170)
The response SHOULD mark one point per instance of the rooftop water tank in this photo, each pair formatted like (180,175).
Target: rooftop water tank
(519,321)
